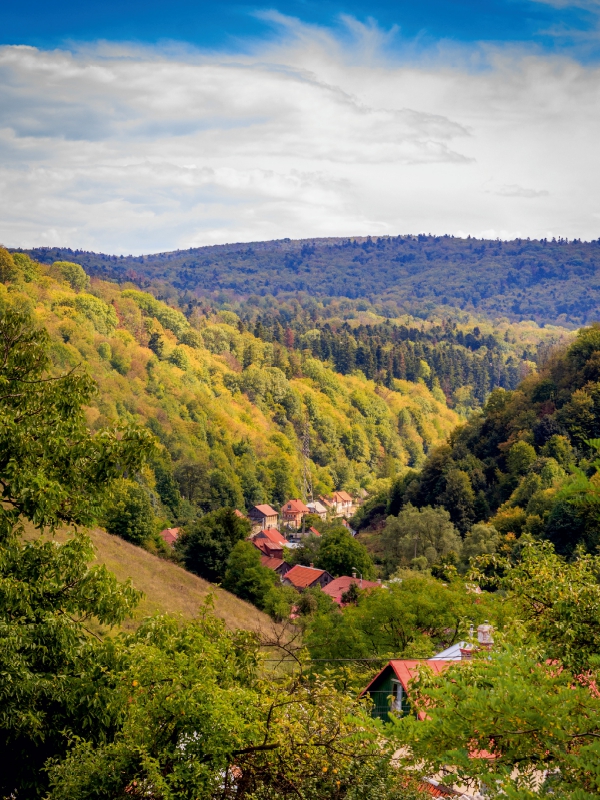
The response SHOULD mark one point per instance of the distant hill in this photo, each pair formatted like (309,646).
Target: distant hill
(555,282)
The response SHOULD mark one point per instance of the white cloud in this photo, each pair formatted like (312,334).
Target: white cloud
(129,149)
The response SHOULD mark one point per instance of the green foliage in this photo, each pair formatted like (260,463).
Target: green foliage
(410,617)
(73,274)
(8,269)
(537,720)
(246,577)
(170,318)
(129,513)
(52,469)
(520,458)
(340,554)
(480,540)
(207,543)
(531,702)
(197,721)
(417,533)
(559,600)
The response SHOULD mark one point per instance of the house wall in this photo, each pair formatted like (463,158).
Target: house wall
(380,693)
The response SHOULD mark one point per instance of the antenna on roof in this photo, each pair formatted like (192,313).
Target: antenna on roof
(307,488)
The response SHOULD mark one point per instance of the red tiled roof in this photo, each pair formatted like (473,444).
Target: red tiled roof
(314,531)
(273,535)
(268,548)
(170,535)
(301,577)
(239,514)
(265,510)
(295,506)
(339,586)
(271,563)
(343,496)
(405,669)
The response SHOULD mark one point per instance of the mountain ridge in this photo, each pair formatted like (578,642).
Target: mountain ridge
(550,282)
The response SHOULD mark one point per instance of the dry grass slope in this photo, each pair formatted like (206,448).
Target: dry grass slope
(167,588)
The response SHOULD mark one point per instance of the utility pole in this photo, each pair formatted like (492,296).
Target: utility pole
(307,489)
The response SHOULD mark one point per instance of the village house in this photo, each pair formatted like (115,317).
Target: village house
(292,513)
(316,507)
(263,517)
(389,689)
(270,542)
(339,504)
(278,565)
(169,536)
(338,587)
(305,577)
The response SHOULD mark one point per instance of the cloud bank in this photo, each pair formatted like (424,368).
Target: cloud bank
(132,150)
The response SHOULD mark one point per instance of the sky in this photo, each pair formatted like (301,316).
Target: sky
(137,127)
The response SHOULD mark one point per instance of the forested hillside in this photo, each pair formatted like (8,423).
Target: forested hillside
(547,281)
(228,409)
(521,466)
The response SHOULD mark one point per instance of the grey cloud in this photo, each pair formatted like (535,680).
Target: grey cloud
(134,150)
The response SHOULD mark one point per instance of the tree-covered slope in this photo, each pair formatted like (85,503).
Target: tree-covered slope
(228,408)
(520,464)
(548,281)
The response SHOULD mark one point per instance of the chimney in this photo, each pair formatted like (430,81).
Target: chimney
(485,635)
(354,573)
(379,581)
(312,566)
(466,652)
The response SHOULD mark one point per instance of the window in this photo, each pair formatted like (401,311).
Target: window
(396,696)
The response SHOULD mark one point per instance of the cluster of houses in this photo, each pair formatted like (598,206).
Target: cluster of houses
(271,544)
(338,505)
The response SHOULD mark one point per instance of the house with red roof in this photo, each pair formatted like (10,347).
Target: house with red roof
(278,565)
(263,517)
(340,504)
(305,577)
(340,586)
(292,512)
(389,688)
(268,548)
(169,536)
(270,542)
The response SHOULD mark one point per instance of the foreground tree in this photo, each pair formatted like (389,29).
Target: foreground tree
(53,471)
(524,718)
(208,542)
(198,721)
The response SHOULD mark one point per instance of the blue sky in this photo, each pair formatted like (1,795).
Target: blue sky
(135,127)
(226,24)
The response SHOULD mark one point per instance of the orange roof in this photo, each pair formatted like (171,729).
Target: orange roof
(296,507)
(271,563)
(339,586)
(264,510)
(272,534)
(301,577)
(314,531)
(405,669)
(170,535)
(268,548)
(344,496)
(239,514)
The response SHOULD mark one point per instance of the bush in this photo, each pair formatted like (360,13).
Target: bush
(208,542)
(73,274)
(129,514)
(246,577)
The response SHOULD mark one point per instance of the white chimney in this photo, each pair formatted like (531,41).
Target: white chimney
(485,635)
